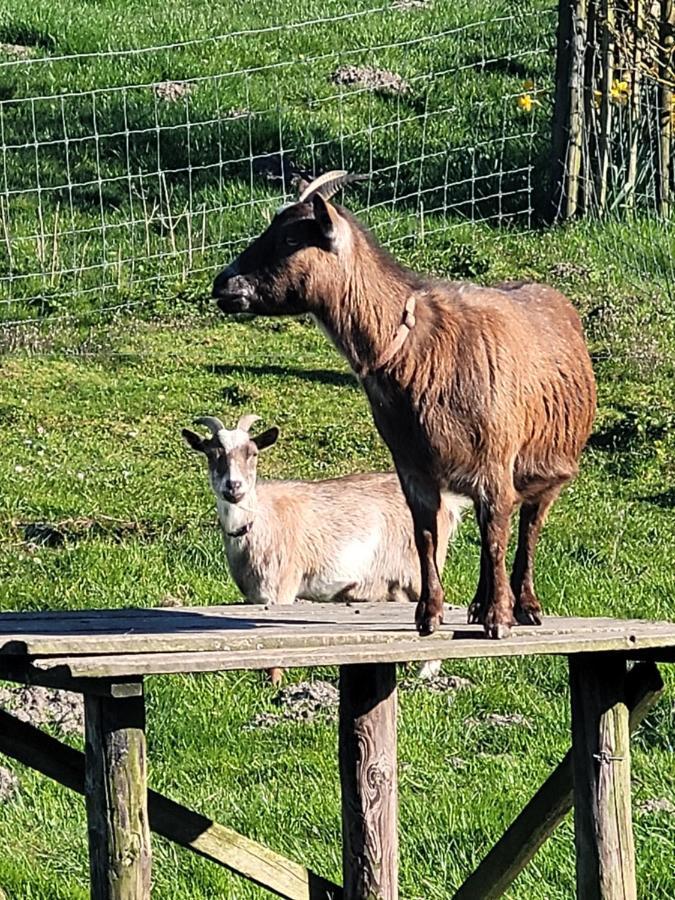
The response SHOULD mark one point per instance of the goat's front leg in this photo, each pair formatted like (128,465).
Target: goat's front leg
(425,502)
(497,602)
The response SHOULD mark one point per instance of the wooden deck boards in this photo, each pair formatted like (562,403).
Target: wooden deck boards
(117,643)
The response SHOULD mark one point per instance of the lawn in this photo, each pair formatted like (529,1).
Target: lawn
(92,402)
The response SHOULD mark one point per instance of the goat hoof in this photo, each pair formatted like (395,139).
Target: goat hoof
(426,621)
(497,632)
(527,616)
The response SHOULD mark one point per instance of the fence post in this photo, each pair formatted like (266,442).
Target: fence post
(568,119)
(666,109)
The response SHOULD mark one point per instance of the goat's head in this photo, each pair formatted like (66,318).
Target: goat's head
(303,250)
(232,455)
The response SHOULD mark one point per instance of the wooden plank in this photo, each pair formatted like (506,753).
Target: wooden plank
(601,762)
(283,877)
(549,806)
(368,776)
(387,650)
(116,793)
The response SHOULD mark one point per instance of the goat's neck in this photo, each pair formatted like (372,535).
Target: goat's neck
(234,516)
(363,317)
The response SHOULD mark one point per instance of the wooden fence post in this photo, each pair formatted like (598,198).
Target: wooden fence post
(568,122)
(116,791)
(367,751)
(666,108)
(601,761)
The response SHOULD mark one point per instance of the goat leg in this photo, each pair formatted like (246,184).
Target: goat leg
(527,608)
(494,521)
(429,612)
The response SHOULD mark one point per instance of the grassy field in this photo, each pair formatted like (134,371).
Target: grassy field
(92,405)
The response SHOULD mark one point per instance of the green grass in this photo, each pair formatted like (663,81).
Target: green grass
(93,417)
(91,413)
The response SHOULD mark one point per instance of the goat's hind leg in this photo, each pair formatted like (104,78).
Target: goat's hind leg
(533,513)
(494,520)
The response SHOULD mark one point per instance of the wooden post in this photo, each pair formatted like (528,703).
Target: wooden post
(549,806)
(367,751)
(601,761)
(116,792)
(568,122)
(634,102)
(666,108)
(607,47)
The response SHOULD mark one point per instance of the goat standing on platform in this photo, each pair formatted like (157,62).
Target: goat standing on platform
(485,392)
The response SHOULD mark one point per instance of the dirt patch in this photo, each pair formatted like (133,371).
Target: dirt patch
(172,91)
(306,701)
(45,706)
(656,805)
(9,786)
(16,51)
(380,81)
(56,534)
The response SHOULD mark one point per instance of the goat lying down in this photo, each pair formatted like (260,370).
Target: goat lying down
(483,392)
(347,538)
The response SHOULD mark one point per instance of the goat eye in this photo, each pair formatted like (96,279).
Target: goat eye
(292,241)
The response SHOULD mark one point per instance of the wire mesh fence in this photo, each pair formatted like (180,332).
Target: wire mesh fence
(128,172)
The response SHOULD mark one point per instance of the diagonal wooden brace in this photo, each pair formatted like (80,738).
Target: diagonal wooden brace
(549,806)
(251,860)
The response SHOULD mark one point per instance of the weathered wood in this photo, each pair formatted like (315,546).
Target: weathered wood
(568,127)
(666,109)
(637,10)
(607,49)
(601,761)
(549,806)
(32,747)
(386,651)
(116,792)
(368,776)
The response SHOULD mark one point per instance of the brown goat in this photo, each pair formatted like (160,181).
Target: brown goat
(486,392)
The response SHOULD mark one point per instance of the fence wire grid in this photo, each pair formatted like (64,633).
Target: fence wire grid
(128,171)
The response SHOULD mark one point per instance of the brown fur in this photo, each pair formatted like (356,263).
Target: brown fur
(492,395)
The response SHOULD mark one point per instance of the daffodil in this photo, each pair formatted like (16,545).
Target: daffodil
(619,92)
(526,102)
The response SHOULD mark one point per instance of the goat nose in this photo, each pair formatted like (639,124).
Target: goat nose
(233,487)
(220,284)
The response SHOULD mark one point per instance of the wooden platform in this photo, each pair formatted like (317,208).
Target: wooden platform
(106,655)
(120,643)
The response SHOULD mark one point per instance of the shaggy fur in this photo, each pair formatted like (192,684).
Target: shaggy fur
(492,395)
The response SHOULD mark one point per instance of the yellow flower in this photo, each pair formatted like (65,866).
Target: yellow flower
(619,92)
(526,102)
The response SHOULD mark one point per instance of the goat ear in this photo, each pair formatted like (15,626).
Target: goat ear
(323,217)
(193,440)
(267,438)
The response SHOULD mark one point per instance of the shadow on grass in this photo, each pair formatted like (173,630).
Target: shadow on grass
(318,376)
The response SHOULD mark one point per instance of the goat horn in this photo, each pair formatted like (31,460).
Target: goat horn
(328,184)
(214,425)
(244,424)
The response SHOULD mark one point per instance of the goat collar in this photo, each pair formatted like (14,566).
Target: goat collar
(240,532)
(401,335)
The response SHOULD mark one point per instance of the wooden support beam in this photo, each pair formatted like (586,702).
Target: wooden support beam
(116,792)
(549,806)
(601,761)
(32,747)
(367,751)
(666,110)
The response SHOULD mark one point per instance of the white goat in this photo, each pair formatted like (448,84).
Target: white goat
(348,538)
